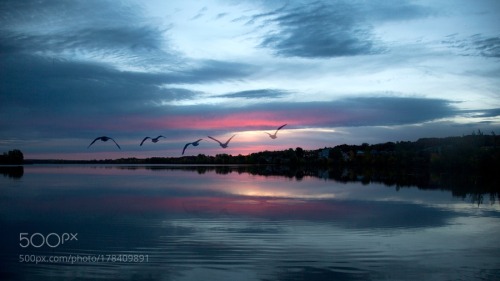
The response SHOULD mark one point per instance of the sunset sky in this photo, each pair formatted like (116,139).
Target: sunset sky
(334,71)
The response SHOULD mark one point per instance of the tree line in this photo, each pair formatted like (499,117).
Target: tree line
(13,157)
(476,152)
(471,153)
(468,165)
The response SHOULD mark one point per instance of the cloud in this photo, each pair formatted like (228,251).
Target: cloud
(69,70)
(317,30)
(384,111)
(221,15)
(256,94)
(37,83)
(200,13)
(360,111)
(88,30)
(331,29)
(488,47)
(39,94)
(214,70)
(95,98)
(493,112)
(75,93)
(121,40)
(349,112)
(26,78)
(475,45)
(380,10)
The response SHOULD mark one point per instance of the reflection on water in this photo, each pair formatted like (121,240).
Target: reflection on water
(15,172)
(232,223)
(474,186)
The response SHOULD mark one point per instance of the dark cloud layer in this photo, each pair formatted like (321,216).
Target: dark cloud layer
(488,47)
(80,27)
(475,45)
(395,110)
(332,28)
(78,97)
(318,30)
(53,80)
(361,111)
(494,112)
(257,94)
(34,89)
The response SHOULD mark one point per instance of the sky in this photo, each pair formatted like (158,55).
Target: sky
(336,72)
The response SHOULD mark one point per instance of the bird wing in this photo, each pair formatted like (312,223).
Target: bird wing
(115,143)
(227,142)
(280,128)
(216,140)
(187,144)
(144,140)
(93,142)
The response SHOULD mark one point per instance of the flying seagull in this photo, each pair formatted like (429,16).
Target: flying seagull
(273,136)
(155,140)
(223,145)
(195,143)
(104,138)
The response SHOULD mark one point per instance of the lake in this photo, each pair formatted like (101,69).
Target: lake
(90,222)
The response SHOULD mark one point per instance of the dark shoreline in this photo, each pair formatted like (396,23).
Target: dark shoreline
(466,165)
(476,153)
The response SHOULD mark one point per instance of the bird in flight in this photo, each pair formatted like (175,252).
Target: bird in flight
(195,143)
(104,138)
(155,140)
(273,136)
(223,145)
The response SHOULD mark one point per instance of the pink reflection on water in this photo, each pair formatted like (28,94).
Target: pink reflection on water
(136,190)
(245,206)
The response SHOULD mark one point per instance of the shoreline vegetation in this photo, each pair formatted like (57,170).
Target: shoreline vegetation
(468,165)
(470,153)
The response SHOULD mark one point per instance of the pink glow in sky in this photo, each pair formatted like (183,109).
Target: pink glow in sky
(334,71)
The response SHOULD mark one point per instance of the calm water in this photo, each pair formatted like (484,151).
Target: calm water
(139,223)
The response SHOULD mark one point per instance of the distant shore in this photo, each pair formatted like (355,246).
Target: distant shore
(471,153)
(469,166)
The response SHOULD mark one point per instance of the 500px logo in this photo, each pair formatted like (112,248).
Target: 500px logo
(52,240)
